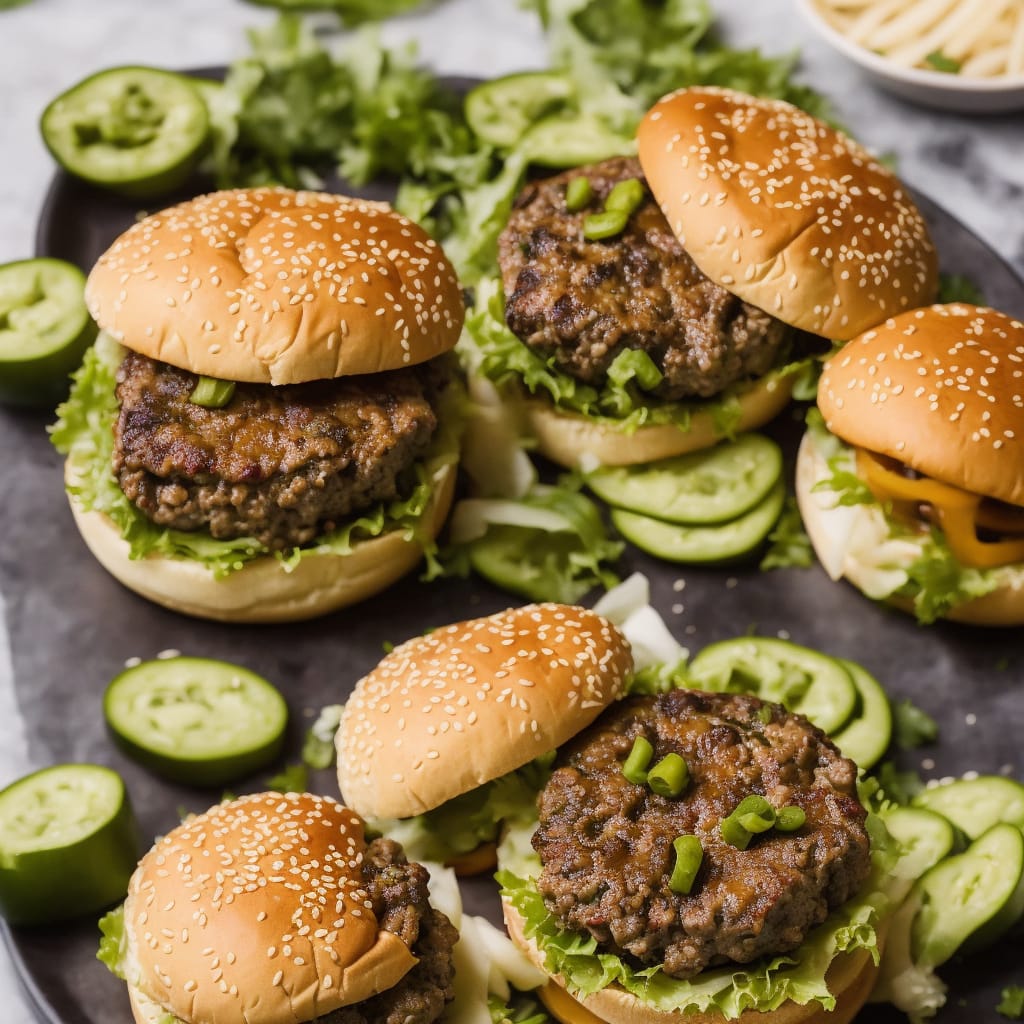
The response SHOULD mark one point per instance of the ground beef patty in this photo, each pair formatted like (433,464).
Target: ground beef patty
(581,303)
(606,843)
(398,891)
(280,464)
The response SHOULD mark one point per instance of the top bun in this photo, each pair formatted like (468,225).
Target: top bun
(447,712)
(255,913)
(786,212)
(941,390)
(273,286)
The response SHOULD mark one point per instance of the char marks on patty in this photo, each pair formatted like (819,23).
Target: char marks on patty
(606,843)
(398,891)
(582,302)
(279,464)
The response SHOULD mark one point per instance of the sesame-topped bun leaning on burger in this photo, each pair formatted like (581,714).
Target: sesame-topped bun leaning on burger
(652,306)
(911,480)
(267,427)
(452,732)
(274,909)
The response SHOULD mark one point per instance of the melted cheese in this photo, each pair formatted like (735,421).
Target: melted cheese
(564,1008)
(959,512)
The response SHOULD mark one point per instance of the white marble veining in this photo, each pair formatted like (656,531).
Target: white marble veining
(973,166)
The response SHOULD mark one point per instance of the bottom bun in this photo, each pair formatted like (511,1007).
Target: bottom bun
(569,438)
(1002,607)
(850,978)
(263,590)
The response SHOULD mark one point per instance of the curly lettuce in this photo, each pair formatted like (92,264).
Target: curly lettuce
(624,401)
(763,985)
(462,824)
(84,433)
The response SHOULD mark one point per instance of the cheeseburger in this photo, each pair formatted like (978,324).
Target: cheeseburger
(451,734)
(911,482)
(273,909)
(653,306)
(698,857)
(265,430)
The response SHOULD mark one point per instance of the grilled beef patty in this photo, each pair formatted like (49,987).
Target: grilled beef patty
(398,892)
(606,843)
(279,464)
(583,302)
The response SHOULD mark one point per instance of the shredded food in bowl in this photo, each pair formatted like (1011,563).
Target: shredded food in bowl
(973,38)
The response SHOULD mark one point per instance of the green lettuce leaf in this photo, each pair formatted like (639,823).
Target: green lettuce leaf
(549,545)
(763,985)
(113,943)
(623,400)
(957,288)
(351,12)
(937,582)
(84,433)
(462,824)
(789,547)
(522,1008)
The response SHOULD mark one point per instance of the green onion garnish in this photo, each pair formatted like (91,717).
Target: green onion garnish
(689,856)
(669,776)
(755,814)
(734,833)
(607,224)
(578,193)
(212,393)
(789,819)
(635,767)
(625,196)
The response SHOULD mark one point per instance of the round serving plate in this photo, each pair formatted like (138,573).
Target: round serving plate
(72,627)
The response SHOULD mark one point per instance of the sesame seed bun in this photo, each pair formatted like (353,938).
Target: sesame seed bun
(255,911)
(508,688)
(941,390)
(785,212)
(571,438)
(273,286)
(263,590)
(850,978)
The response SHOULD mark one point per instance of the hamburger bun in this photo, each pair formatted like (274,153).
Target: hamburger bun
(850,978)
(273,286)
(571,438)
(939,389)
(785,212)
(263,590)
(508,687)
(218,928)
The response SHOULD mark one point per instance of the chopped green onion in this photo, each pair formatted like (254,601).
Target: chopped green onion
(669,776)
(635,768)
(734,833)
(689,856)
(789,819)
(625,196)
(755,814)
(212,393)
(578,193)
(608,224)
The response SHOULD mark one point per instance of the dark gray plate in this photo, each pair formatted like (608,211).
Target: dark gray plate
(72,627)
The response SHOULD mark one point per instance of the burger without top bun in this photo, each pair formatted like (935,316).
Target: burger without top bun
(647,899)
(911,481)
(749,222)
(266,428)
(452,732)
(273,909)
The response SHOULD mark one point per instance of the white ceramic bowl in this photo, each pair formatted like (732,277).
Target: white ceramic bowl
(932,88)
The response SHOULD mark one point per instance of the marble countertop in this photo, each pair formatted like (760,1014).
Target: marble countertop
(971,165)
